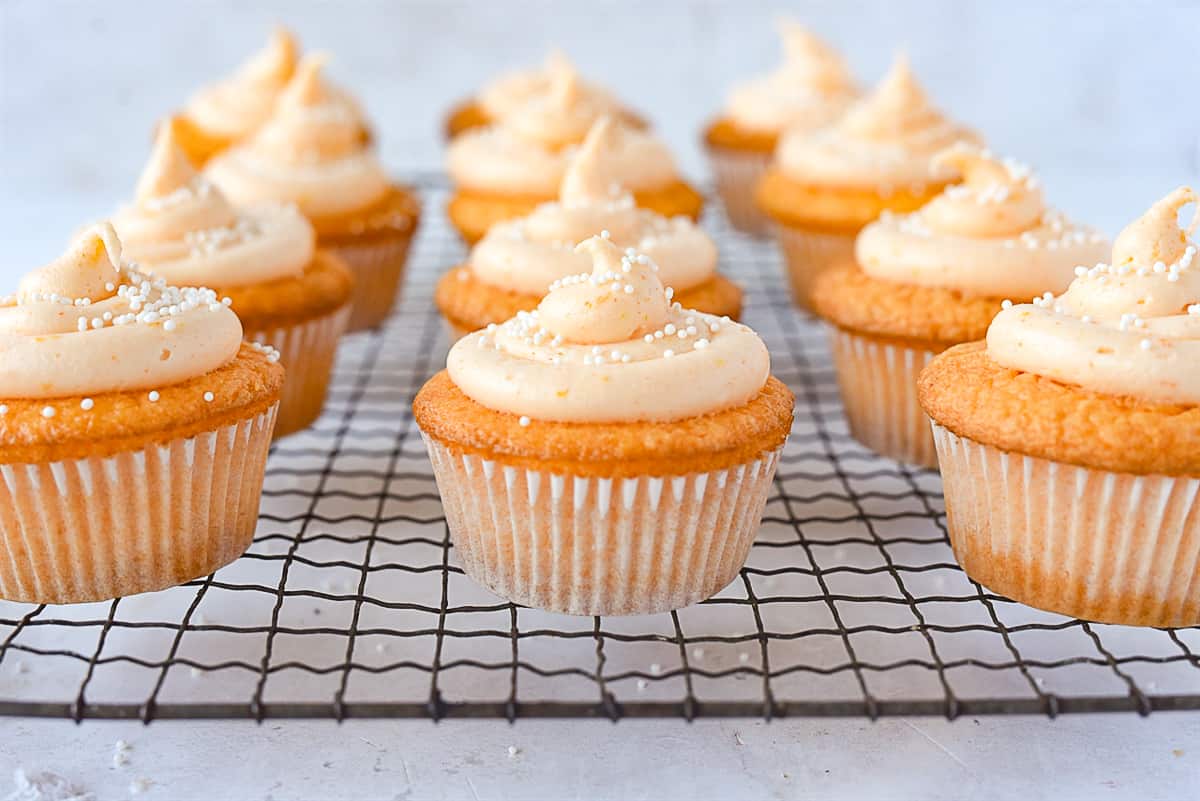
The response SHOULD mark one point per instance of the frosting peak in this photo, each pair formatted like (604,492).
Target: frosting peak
(587,178)
(811,62)
(273,64)
(1131,328)
(239,104)
(620,299)
(169,167)
(995,198)
(88,322)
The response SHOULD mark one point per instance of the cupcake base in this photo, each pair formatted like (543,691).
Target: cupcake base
(807,252)
(91,529)
(377,263)
(878,383)
(1092,544)
(600,546)
(737,173)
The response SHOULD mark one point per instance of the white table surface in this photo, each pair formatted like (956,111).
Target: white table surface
(1109,133)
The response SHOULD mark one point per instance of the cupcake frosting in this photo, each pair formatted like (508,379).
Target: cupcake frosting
(528,150)
(510,91)
(610,346)
(528,254)
(884,141)
(809,90)
(91,323)
(182,227)
(311,152)
(1129,328)
(991,235)
(238,105)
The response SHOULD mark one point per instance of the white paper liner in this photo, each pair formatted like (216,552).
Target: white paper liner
(378,267)
(737,174)
(99,528)
(597,546)
(878,383)
(807,253)
(307,351)
(1093,544)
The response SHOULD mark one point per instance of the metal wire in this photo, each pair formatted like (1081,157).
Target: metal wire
(350,602)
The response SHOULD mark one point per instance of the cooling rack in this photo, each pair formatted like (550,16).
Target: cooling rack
(350,603)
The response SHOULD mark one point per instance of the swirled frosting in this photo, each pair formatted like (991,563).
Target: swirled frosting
(883,141)
(91,323)
(528,150)
(809,90)
(311,152)
(1129,328)
(989,235)
(610,346)
(529,253)
(183,228)
(512,90)
(236,106)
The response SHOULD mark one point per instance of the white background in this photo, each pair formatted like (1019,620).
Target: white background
(1100,96)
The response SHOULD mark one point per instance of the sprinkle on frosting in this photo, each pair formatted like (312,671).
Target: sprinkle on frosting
(89,323)
(1124,328)
(809,90)
(884,140)
(183,228)
(610,345)
(989,235)
(238,105)
(529,253)
(311,152)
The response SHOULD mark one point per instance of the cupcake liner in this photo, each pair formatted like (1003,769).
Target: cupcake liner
(307,351)
(737,173)
(99,528)
(1092,544)
(878,383)
(378,267)
(807,253)
(600,546)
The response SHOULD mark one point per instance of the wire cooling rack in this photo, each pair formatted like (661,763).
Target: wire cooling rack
(350,603)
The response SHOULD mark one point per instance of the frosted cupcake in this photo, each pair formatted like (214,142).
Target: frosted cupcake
(826,185)
(311,153)
(284,290)
(1069,441)
(810,90)
(511,90)
(134,428)
(507,169)
(934,278)
(509,270)
(608,453)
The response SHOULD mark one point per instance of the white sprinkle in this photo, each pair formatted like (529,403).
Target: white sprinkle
(701,344)
(513,751)
(140,785)
(668,353)
(698,652)
(629,289)
(655,668)
(1146,344)
(154,396)
(208,397)
(524,421)
(169,325)
(605,234)
(48,412)
(669,329)
(743,657)
(86,404)
(3,408)
(642,684)
(1006,304)
(648,338)
(226,301)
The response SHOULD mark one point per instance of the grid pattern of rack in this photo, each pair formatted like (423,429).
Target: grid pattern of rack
(350,602)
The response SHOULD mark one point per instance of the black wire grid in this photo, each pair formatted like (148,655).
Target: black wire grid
(350,602)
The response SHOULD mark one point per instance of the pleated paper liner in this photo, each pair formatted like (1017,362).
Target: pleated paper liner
(807,253)
(598,546)
(1092,544)
(737,173)
(98,528)
(378,264)
(878,383)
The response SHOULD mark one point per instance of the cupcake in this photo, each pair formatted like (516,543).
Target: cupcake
(934,278)
(1069,440)
(511,90)
(809,91)
(509,270)
(284,290)
(609,452)
(134,428)
(825,185)
(311,153)
(505,170)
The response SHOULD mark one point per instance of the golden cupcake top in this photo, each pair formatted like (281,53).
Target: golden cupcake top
(90,322)
(527,254)
(1126,328)
(809,90)
(512,90)
(610,345)
(311,151)
(884,141)
(990,234)
(528,150)
(237,105)
(183,228)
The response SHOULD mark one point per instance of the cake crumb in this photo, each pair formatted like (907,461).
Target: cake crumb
(140,785)
(513,752)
